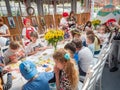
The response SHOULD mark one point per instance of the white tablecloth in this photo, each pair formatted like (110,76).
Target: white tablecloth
(40,58)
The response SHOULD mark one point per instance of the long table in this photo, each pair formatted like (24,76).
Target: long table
(43,61)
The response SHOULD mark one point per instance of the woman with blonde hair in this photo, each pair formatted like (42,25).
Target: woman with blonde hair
(68,78)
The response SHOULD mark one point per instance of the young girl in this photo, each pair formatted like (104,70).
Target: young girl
(68,79)
(34,46)
(96,41)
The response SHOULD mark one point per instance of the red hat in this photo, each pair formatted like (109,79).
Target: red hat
(65,14)
(26,20)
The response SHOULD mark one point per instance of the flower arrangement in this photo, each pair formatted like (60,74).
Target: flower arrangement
(96,22)
(54,36)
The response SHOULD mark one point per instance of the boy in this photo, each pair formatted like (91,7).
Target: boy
(85,57)
(36,81)
(34,46)
(72,49)
(75,34)
(12,53)
(90,42)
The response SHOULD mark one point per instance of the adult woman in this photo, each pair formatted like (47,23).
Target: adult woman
(4,33)
(27,30)
(88,25)
(71,20)
(63,21)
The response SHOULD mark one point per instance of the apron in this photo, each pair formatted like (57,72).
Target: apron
(28,35)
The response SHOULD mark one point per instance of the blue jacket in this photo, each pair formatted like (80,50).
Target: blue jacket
(39,83)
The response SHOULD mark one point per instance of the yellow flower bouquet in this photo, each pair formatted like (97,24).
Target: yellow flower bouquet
(54,36)
(96,22)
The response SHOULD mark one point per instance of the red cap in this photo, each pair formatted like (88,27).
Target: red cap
(65,14)
(110,21)
(26,20)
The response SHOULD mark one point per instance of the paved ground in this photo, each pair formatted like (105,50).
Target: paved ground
(111,80)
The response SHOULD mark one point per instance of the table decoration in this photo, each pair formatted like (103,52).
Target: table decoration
(53,36)
(95,23)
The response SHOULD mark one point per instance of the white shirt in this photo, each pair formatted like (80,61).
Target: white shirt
(7,54)
(85,58)
(31,46)
(3,41)
(103,37)
(63,21)
(3,28)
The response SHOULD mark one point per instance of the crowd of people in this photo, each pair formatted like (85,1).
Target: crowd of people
(70,62)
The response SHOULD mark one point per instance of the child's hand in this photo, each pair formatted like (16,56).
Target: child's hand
(7,69)
(2,65)
(37,49)
(20,54)
(56,70)
(14,61)
(44,48)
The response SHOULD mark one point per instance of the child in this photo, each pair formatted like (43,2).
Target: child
(12,53)
(85,57)
(34,46)
(90,42)
(68,80)
(8,84)
(96,42)
(72,49)
(36,81)
(103,34)
(75,34)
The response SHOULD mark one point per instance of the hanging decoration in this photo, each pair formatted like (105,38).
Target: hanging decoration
(107,12)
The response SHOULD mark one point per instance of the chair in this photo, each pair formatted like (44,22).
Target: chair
(108,50)
(82,78)
(86,83)
(94,74)
(90,79)
(104,47)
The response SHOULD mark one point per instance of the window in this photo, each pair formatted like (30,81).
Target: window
(34,5)
(63,7)
(79,7)
(3,9)
(23,9)
(14,8)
